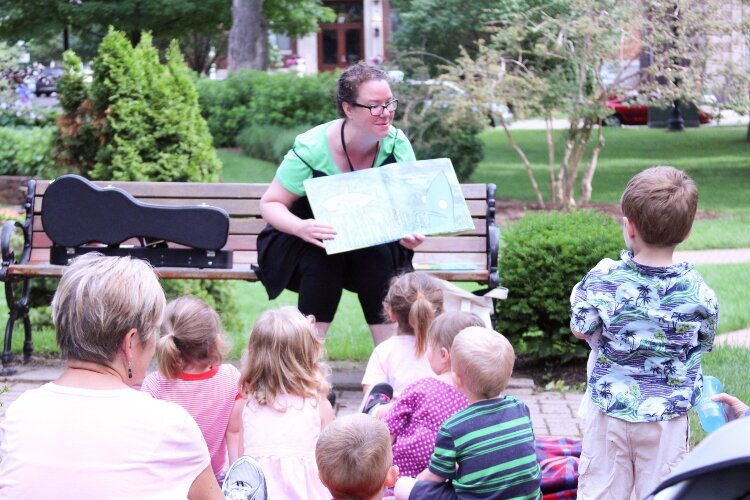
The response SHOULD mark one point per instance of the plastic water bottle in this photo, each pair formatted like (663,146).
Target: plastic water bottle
(711,413)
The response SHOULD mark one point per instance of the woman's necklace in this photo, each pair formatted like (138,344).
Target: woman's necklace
(343,145)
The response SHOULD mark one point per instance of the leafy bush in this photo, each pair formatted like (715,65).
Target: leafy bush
(10,117)
(268,142)
(27,151)
(250,98)
(139,119)
(438,131)
(542,256)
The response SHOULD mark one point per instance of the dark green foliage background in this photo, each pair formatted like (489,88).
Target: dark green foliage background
(542,256)
(250,98)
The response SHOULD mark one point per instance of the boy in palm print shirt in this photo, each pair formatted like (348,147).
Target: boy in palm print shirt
(652,321)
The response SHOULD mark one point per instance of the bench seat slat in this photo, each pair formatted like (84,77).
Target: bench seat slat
(246,207)
(182,190)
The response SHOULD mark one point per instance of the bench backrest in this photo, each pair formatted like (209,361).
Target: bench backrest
(462,257)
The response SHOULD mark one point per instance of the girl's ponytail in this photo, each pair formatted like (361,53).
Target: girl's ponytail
(414,299)
(168,357)
(421,314)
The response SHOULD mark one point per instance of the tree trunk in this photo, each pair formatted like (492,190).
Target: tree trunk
(554,192)
(248,38)
(527,166)
(588,174)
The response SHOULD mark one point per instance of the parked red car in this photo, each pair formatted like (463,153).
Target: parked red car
(632,112)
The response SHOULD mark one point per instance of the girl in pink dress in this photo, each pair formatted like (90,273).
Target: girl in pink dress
(286,388)
(191,373)
(417,415)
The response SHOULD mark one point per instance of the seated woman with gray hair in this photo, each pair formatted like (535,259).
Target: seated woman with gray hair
(88,434)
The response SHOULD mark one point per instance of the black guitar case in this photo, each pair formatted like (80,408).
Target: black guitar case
(81,217)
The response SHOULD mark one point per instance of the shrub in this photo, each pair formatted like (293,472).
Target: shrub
(139,119)
(27,151)
(542,256)
(268,142)
(10,117)
(249,98)
(437,129)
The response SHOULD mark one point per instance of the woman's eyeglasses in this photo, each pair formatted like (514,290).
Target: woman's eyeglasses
(379,109)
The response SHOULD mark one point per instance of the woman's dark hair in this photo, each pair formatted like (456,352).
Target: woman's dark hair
(348,83)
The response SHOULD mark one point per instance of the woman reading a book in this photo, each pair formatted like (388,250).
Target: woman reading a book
(291,253)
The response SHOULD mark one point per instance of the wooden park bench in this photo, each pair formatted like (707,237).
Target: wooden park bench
(468,257)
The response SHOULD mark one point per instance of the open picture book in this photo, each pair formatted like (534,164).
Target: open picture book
(378,205)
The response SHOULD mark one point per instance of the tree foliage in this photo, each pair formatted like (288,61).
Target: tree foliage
(163,18)
(138,120)
(548,59)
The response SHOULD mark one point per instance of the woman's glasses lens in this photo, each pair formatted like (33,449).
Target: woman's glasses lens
(378,109)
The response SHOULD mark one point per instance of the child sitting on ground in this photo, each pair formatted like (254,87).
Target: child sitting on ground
(413,300)
(416,417)
(486,450)
(354,458)
(656,319)
(190,373)
(286,388)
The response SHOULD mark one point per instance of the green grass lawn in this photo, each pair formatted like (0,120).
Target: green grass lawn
(717,158)
(240,168)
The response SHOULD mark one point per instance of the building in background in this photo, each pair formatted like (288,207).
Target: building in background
(359,32)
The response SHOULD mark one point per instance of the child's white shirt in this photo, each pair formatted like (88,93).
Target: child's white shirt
(394,361)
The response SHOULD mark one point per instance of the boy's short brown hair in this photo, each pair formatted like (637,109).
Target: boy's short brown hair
(483,359)
(354,456)
(661,202)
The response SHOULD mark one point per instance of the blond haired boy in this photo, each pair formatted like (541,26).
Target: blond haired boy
(486,450)
(354,458)
(654,319)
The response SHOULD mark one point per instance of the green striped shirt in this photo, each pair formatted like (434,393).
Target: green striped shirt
(487,450)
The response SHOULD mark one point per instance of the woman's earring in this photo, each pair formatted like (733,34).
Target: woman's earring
(130,370)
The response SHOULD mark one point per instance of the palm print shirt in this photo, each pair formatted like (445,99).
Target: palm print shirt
(652,326)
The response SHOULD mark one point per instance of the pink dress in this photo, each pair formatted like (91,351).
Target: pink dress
(283,442)
(208,397)
(415,420)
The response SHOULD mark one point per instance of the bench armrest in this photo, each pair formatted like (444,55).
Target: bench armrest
(9,227)
(493,240)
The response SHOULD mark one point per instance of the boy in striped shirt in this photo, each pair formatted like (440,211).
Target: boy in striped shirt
(486,450)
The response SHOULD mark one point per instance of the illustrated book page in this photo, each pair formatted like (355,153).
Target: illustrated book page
(378,205)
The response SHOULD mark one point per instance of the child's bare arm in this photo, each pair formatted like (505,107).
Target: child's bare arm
(234,431)
(426,475)
(326,412)
(578,334)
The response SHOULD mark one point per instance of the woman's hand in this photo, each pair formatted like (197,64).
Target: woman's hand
(314,232)
(738,407)
(412,241)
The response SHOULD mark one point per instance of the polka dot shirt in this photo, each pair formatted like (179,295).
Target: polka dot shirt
(415,420)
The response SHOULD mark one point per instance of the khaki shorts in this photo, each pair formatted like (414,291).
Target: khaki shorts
(618,456)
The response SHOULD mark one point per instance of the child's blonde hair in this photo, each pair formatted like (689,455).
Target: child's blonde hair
(283,357)
(661,202)
(483,359)
(446,326)
(354,456)
(191,335)
(414,299)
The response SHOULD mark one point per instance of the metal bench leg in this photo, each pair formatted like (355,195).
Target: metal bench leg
(17,310)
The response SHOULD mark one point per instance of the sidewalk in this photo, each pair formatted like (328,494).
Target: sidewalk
(552,413)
